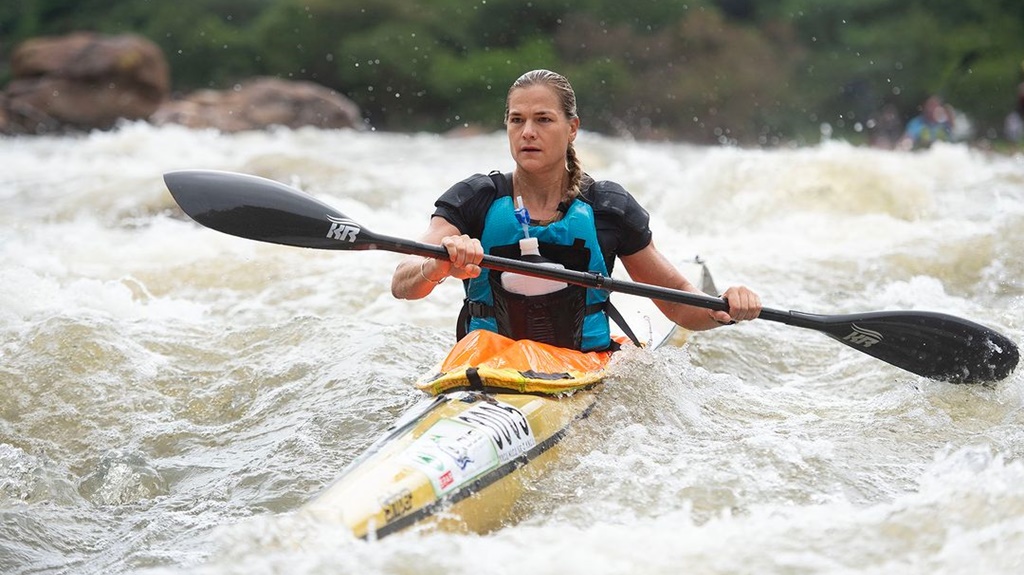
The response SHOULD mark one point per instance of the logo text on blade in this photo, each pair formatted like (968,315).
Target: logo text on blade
(863,337)
(343,229)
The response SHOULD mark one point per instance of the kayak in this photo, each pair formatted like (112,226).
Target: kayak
(491,422)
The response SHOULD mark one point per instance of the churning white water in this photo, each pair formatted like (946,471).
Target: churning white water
(169,395)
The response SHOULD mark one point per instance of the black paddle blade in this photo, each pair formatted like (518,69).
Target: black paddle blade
(934,345)
(264,210)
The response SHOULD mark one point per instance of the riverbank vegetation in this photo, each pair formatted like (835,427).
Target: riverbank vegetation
(707,71)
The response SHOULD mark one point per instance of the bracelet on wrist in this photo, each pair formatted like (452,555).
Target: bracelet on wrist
(424,275)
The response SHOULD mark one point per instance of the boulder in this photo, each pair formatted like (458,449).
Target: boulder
(260,103)
(83,81)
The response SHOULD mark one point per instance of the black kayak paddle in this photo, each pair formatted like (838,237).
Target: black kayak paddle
(934,345)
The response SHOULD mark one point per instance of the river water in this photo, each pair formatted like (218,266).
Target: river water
(170,396)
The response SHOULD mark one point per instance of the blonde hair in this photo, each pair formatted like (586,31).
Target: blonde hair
(567,98)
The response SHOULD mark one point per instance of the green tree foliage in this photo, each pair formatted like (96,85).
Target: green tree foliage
(710,71)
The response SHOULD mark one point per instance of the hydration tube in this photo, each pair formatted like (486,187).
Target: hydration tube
(523,216)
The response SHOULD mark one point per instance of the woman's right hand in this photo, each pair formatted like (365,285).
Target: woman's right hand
(417,276)
(464,257)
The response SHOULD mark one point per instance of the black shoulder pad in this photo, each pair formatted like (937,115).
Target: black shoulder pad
(613,199)
(465,204)
(467,189)
(608,197)
(617,210)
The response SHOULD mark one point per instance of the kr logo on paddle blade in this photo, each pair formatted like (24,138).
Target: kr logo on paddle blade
(343,229)
(863,337)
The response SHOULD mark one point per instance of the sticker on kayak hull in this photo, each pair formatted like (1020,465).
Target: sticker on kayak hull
(507,426)
(454,451)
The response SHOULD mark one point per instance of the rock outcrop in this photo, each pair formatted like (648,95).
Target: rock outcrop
(83,81)
(260,103)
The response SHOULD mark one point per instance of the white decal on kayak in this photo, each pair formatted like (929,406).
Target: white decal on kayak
(507,426)
(343,229)
(863,337)
(452,453)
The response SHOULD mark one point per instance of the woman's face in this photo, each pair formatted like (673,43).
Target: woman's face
(538,131)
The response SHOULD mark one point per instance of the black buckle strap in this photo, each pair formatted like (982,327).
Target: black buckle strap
(620,321)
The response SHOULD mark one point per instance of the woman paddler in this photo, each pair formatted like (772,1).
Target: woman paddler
(548,210)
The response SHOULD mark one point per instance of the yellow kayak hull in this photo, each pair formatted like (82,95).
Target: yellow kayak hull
(458,461)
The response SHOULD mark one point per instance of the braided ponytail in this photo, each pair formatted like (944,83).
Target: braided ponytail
(572,163)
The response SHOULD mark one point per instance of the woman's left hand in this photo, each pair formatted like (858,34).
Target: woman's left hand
(744,305)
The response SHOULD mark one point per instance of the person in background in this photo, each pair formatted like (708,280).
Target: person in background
(933,124)
(885,128)
(579,223)
(1013,127)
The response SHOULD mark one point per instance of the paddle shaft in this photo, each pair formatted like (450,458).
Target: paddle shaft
(585,279)
(593,280)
